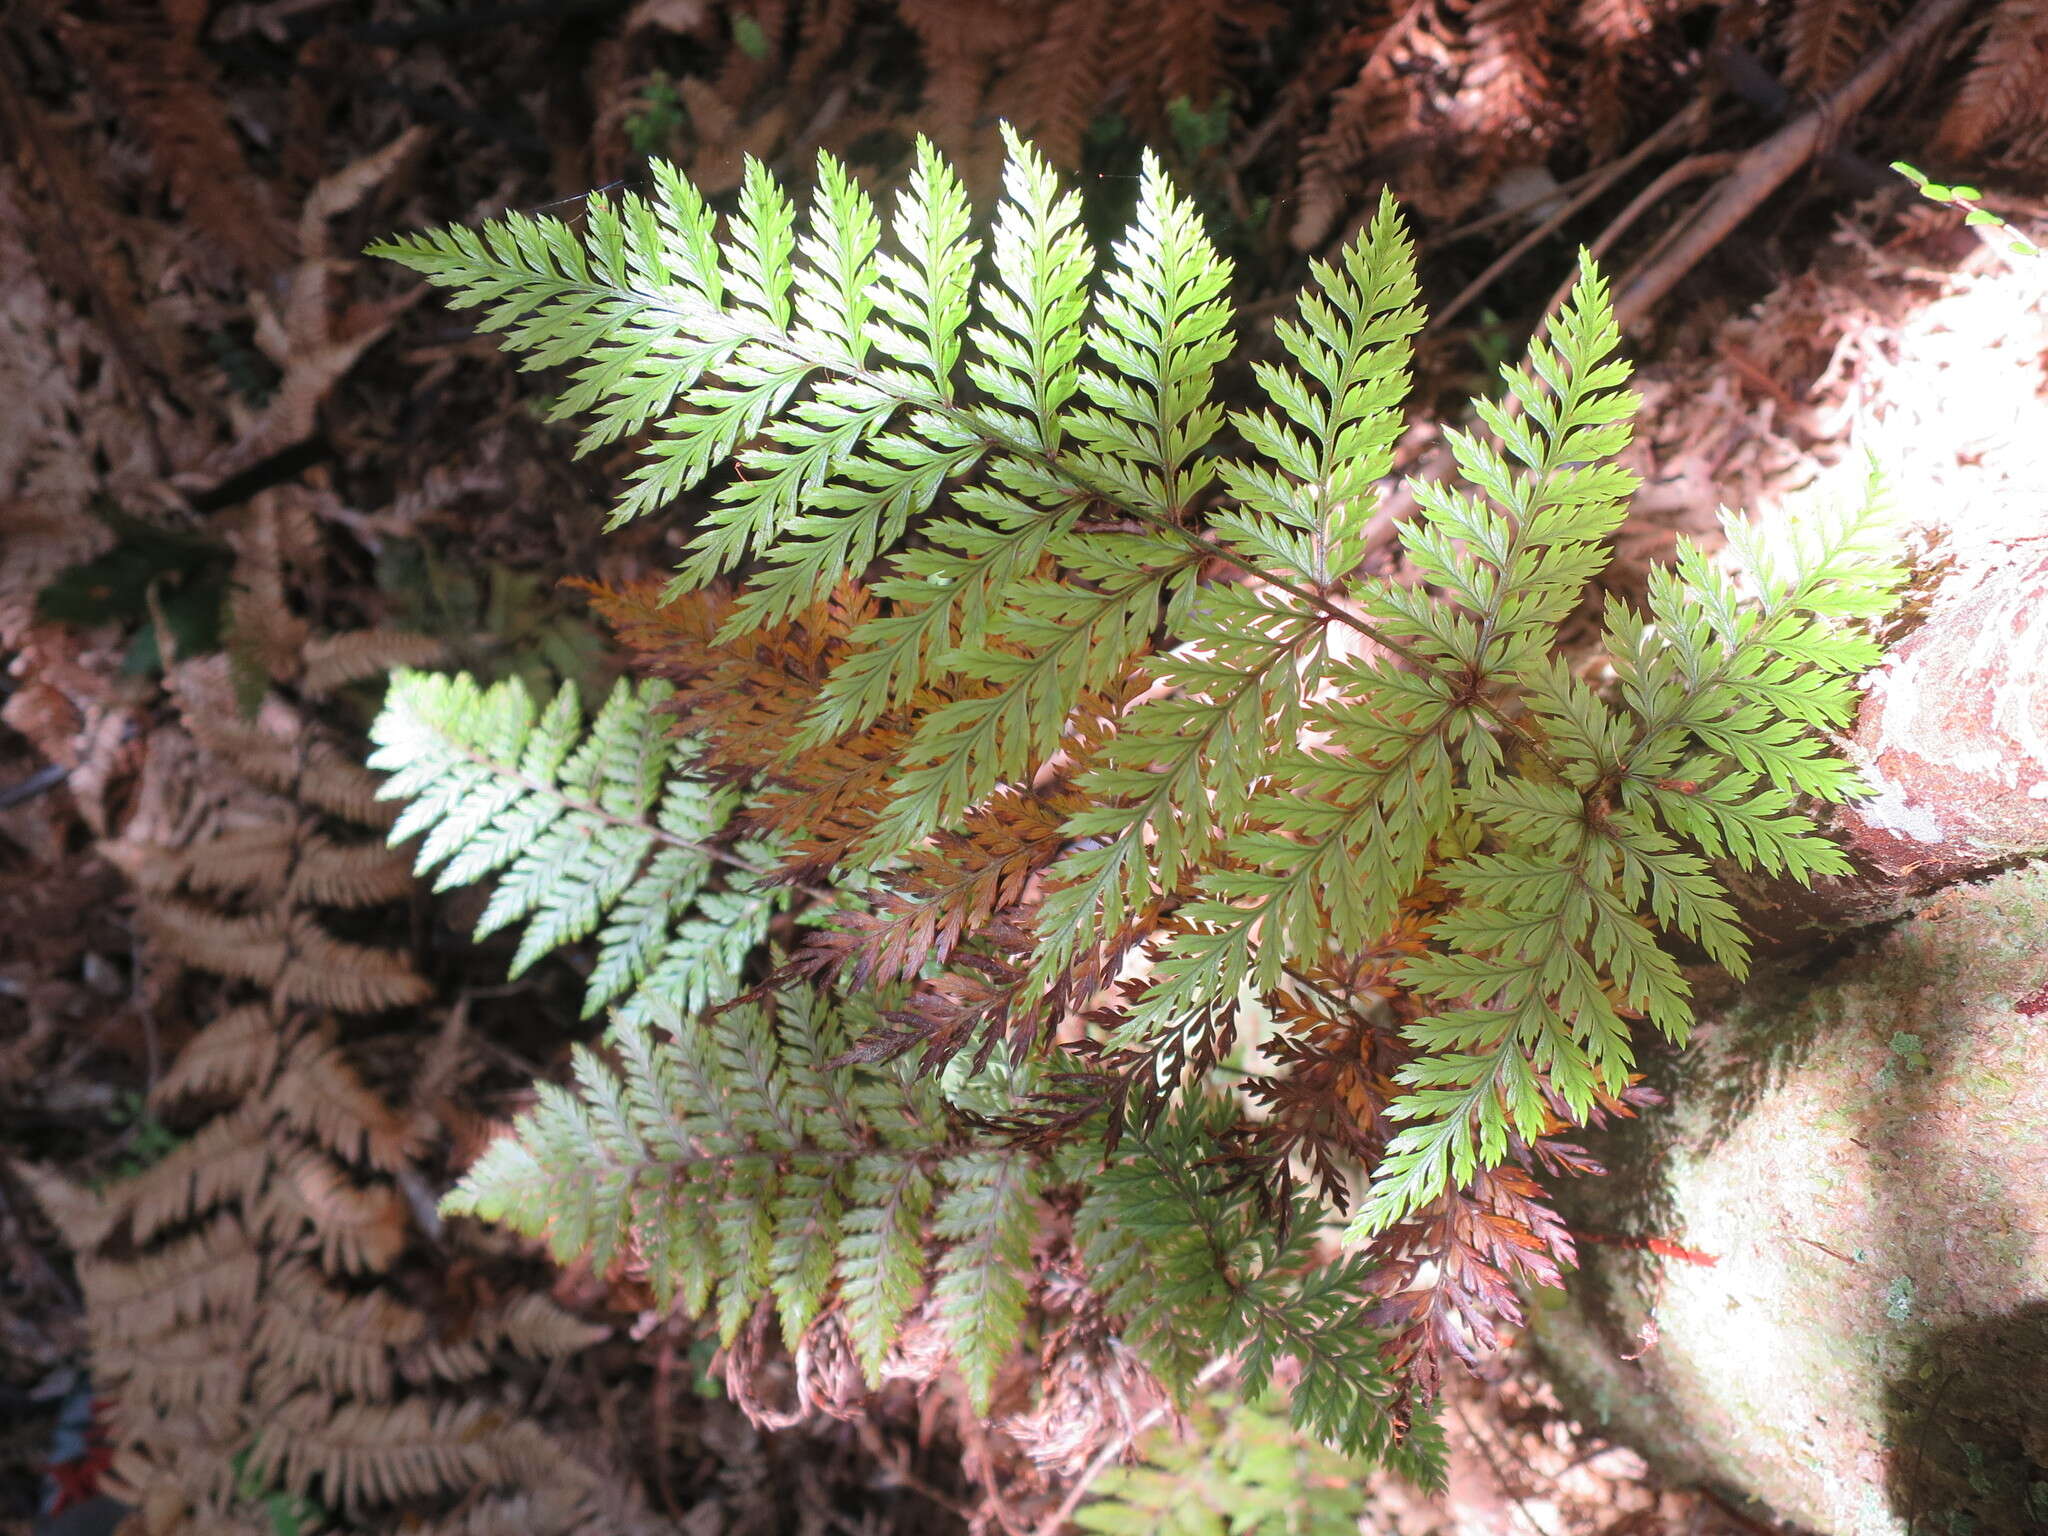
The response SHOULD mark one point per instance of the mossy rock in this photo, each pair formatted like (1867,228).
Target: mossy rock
(1864,1155)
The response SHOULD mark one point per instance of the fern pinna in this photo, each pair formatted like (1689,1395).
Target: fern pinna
(1052,694)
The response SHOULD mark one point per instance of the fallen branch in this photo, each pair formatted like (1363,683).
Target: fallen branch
(1762,170)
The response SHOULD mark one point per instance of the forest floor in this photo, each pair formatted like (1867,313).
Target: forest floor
(178,337)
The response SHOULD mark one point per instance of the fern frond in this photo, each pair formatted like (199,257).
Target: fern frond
(1237,1467)
(736,1162)
(1053,697)
(989,1214)
(607,832)
(1182,1252)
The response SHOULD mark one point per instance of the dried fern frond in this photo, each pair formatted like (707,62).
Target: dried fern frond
(165,84)
(1512,80)
(1826,39)
(2002,94)
(227,1160)
(361,1454)
(334,661)
(189,1371)
(321,1095)
(233,1053)
(312,1333)
(276,859)
(235,1284)
(288,951)
(213,1272)
(355,1228)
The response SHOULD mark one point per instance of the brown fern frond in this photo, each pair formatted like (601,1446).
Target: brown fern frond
(278,750)
(166,87)
(250,948)
(535,1326)
(1184,50)
(446,1360)
(225,1161)
(240,1275)
(820,35)
(80,1214)
(193,1455)
(350,876)
(1060,84)
(356,1228)
(320,1095)
(978,995)
(1511,82)
(324,972)
(829,798)
(312,1332)
(2006,90)
(273,860)
(1335,1055)
(1453,1272)
(745,698)
(1382,112)
(264,635)
(288,952)
(359,1454)
(334,661)
(1610,36)
(1826,39)
(233,1053)
(185,1371)
(962,48)
(214,1272)
(1323,1102)
(747,701)
(955,885)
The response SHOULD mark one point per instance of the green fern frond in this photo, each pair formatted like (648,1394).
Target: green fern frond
(1277,754)
(607,832)
(735,1163)
(1183,1254)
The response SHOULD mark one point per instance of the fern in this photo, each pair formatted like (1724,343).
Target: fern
(1186,1256)
(1235,1469)
(606,832)
(741,1168)
(1005,556)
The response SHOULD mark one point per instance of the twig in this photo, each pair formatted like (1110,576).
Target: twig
(661,1410)
(1768,166)
(1054,1523)
(1689,169)
(47,777)
(898,1466)
(1594,184)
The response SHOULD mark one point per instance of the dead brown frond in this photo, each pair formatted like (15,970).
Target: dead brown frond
(164,84)
(240,1291)
(1826,39)
(2003,95)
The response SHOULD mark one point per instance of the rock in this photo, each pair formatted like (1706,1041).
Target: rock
(1864,1156)
(1952,742)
